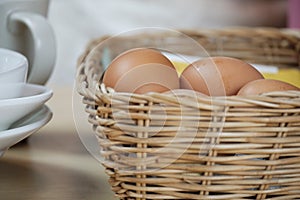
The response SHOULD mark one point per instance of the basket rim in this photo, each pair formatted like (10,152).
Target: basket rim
(86,78)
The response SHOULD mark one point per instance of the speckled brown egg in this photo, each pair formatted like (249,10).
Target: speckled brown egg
(141,70)
(265,85)
(218,76)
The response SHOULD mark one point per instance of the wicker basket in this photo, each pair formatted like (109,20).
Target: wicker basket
(184,146)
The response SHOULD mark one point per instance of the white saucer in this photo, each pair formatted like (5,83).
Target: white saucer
(12,108)
(24,128)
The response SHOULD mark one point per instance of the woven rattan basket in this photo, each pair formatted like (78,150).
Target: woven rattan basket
(184,146)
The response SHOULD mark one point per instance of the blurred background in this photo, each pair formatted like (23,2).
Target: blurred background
(76,22)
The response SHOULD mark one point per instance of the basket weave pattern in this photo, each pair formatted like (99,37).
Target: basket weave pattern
(185,146)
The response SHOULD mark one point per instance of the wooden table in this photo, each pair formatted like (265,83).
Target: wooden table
(54,162)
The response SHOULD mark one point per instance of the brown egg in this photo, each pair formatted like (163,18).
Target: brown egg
(141,70)
(218,76)
(265,85)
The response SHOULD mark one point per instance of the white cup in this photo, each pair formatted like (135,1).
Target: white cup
(13,67)
(25,29)
(13,71)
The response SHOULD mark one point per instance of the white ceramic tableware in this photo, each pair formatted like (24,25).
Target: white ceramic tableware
(13,67)
(24,128)
(12,109)
(24,28)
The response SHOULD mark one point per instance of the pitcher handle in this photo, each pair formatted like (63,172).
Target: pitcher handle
(44,52)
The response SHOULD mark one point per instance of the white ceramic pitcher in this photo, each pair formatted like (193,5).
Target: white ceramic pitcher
(24,28)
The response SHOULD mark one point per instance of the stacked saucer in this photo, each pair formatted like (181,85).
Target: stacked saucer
(22,105)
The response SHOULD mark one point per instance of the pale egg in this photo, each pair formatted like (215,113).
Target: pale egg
(265,85)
